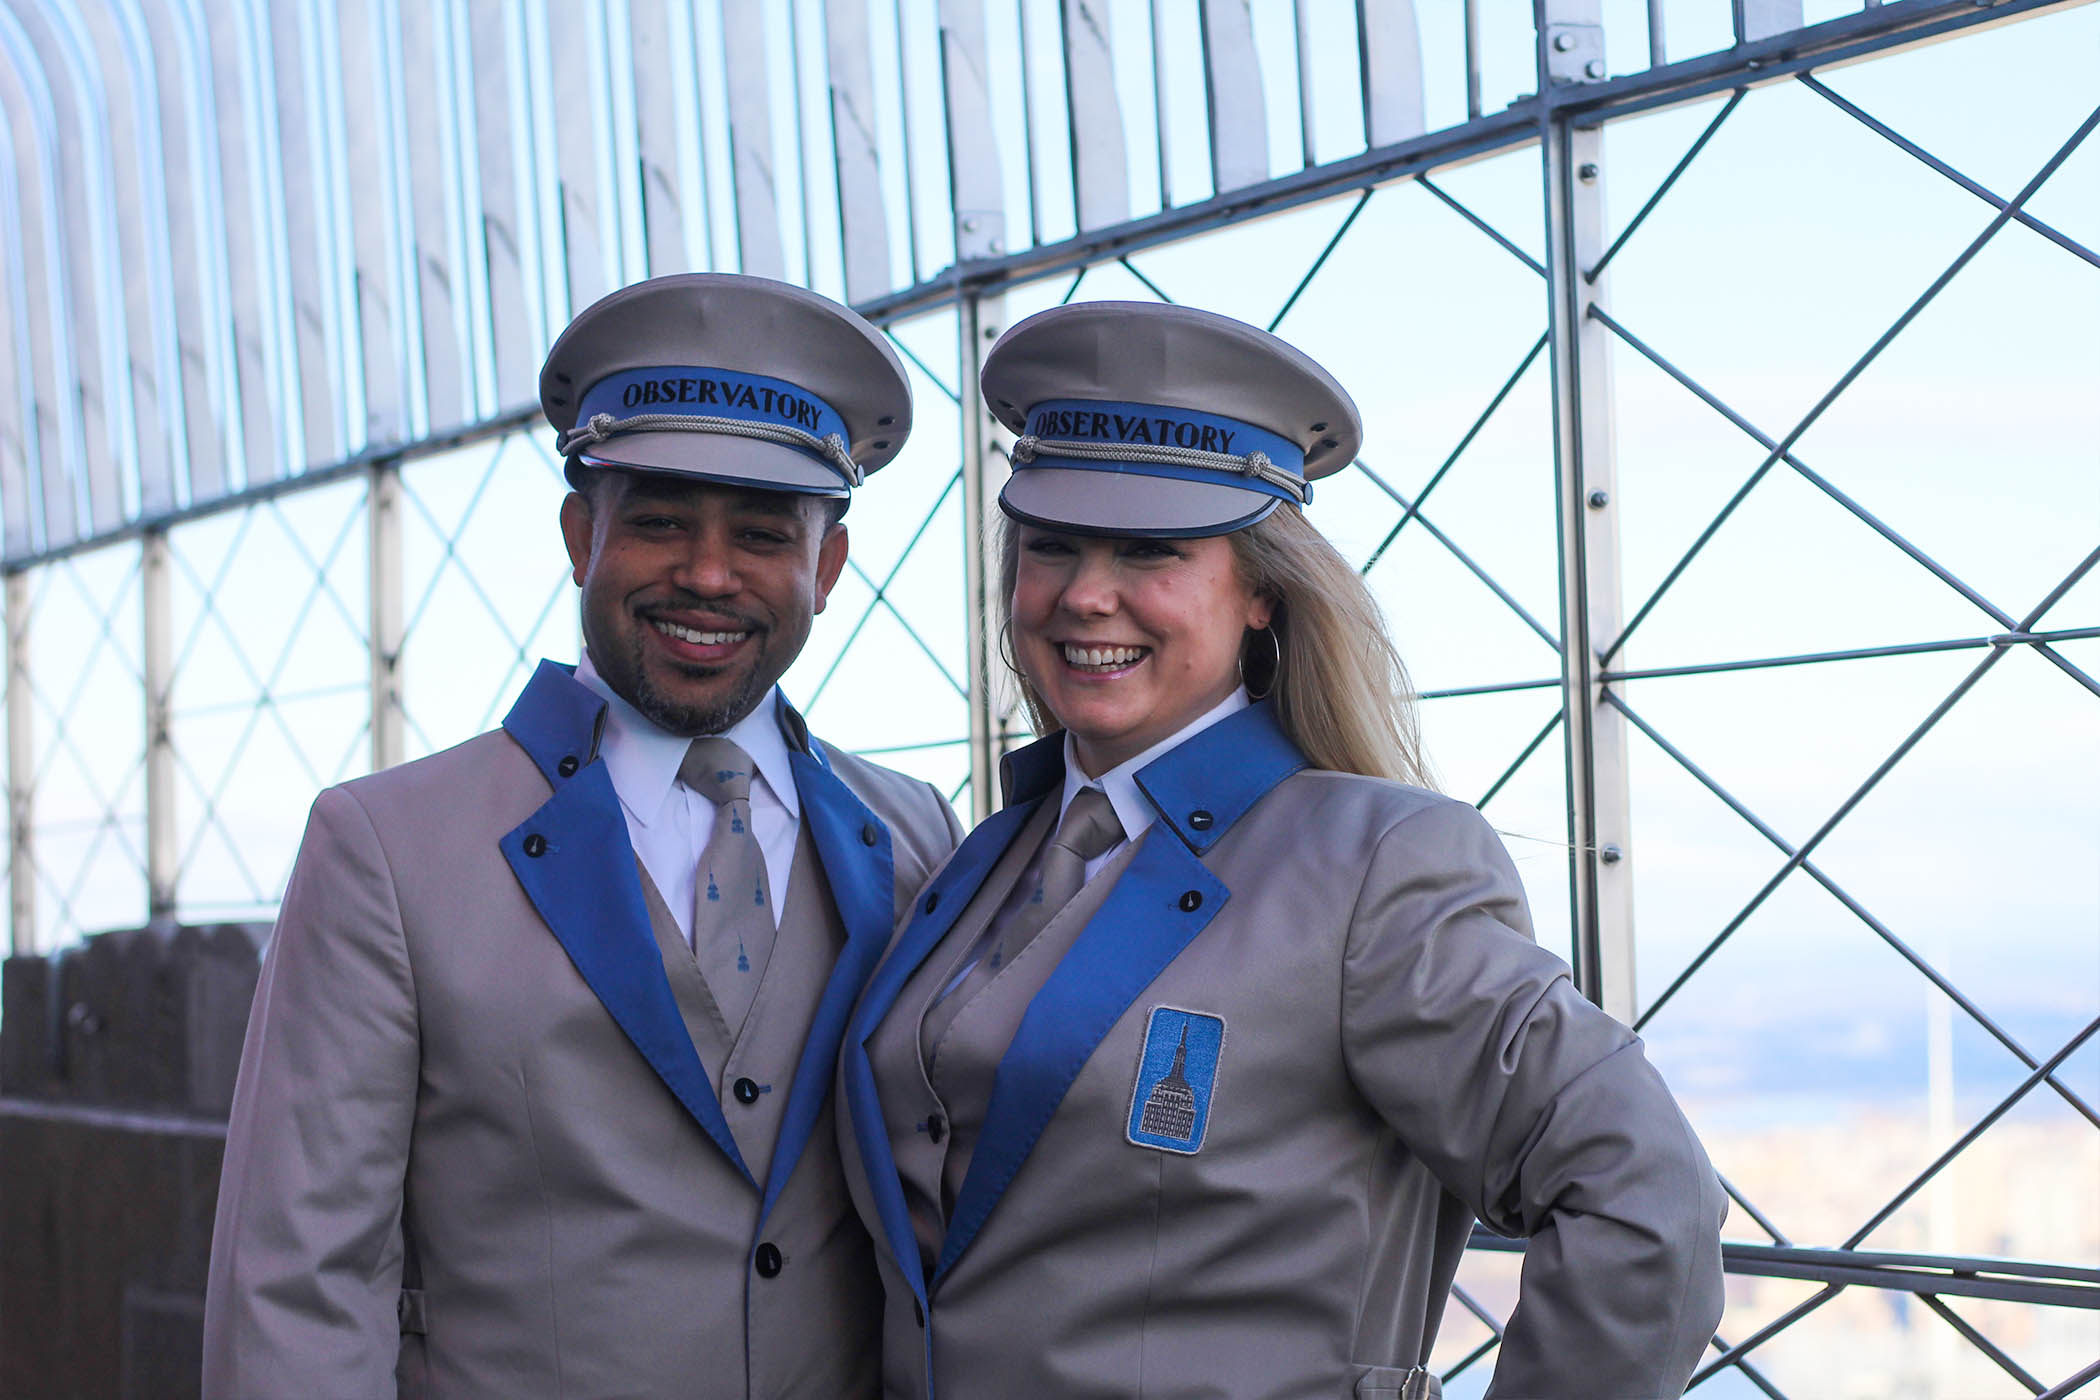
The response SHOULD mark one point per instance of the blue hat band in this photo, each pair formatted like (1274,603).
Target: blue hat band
(654,399)
(1153,440)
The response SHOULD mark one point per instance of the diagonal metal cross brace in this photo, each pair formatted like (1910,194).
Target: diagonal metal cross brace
(1814,872)
(910,631)
(521,660)
(2041,1072)
(1801,854)
(1845,381)
(2061,240)
(449,554)
(1459,554)
(1479,423)
(1982,1343)
(1684,163)
(1829,488)
(882,590)
(1733,1355)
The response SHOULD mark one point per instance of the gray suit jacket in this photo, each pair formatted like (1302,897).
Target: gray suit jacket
(474,1150)
(1235,1142)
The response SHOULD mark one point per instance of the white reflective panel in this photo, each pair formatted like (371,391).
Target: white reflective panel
(91,302)
(431,109)
(183,77)
(863,214)
(1392,70)
(114,33)
(54,433)
(973,145)
(1761,19)
(16,392)
(668,200)
(582,139)
(309,231)
(509,232)
(373,201)
(253,255)
(751,139)
(1239,120)
(1100,169)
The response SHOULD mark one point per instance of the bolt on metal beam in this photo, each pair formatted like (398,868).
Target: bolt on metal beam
(21,773)
(384,631)
(163,845)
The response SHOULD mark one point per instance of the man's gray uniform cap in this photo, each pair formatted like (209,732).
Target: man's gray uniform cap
(1176,357)
(748,325)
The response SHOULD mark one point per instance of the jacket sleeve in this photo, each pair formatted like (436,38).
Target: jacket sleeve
(1537,1110)
(306,1249)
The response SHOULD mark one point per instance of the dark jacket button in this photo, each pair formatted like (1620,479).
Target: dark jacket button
(535,845)
(568,766)
(1191,902)
(746,1090)
(1200,820)
(932,901)
(936,1129)
(869,835)
(767,1260)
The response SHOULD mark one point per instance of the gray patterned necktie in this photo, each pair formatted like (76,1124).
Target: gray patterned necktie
(732,906)
(1089,829)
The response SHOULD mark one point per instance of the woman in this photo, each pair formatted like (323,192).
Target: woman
(1191,1070)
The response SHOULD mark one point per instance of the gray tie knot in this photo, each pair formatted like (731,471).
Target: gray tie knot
(718,770)
(1090,828)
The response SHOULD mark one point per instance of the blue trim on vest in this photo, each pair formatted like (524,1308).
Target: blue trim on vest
(862,880)
(1141,928)
(953,887)
(1223,771)
(585,886)
(695,392)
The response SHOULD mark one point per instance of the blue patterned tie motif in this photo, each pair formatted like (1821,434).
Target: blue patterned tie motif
(731,938)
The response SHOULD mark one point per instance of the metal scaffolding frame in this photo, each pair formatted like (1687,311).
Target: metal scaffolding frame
(265,254)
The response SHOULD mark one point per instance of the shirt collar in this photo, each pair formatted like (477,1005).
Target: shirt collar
(1133,809)
(642,757)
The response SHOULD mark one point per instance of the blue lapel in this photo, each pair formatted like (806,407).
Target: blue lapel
(862,878)
(576,865)
(1165,898)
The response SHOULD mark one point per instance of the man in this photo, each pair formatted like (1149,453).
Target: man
(535,1095)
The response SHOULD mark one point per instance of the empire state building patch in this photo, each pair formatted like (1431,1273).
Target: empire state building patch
(1177,1070)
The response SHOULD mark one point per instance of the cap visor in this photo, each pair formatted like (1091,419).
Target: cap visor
(733,461)
(1129,503)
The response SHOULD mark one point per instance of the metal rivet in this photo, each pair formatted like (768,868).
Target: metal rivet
(1599,499)
(535,845)
(1611,855)
(1328,444)
(1319,427)
(1191,902)
(868,834)
(970,224)
(1594,68)
(1200,820)
(932,900)
(885,420)
(568,766)
(1587,172)
(991,332)
(1563,42)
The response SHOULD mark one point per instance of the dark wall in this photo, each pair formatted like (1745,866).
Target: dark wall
(117,1063)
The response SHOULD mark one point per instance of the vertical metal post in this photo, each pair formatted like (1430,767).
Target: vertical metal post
(1571,53)
(162,844)
(383,526)
(979,322)
(21,774)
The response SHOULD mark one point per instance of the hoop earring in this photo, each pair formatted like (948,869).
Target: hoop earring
(1006,646)
(1275,665)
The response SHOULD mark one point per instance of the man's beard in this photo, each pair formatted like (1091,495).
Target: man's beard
(690,721)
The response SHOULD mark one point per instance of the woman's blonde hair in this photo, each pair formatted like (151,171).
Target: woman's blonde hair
(1341,692)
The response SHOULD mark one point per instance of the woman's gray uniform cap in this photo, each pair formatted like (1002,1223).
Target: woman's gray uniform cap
(1172,357)
(744,325)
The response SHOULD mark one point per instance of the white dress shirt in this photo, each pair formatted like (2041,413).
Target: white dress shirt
(668,822)
(1133,809)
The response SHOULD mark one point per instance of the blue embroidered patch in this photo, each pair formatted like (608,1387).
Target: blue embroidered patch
(1177,1070)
